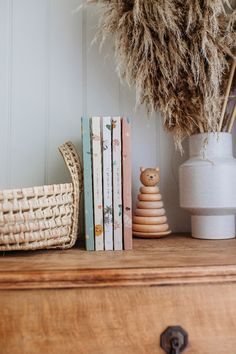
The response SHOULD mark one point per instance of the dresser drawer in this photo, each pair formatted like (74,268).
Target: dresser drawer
(117,320)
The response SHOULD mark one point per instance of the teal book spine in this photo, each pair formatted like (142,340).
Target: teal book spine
(88,184)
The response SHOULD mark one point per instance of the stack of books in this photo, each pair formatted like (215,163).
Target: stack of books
(107,183)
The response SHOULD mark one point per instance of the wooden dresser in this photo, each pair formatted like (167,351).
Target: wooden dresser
(119,302)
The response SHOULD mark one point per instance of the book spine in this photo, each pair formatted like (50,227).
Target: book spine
(97,184)
(88,192)
(107,184)
(127,180)
(117,183)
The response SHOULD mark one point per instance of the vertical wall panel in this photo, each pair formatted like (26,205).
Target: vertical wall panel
(102,81)
(65,83)
(5,88)
(28,92)
(170,160)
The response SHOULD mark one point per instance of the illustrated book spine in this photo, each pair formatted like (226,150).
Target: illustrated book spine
(107,184)
(97,184)
(117,183)
(88,190)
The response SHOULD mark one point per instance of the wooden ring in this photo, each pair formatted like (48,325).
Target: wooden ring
(149,190)
(149,197)
(150,212)
(150,228)
(149,205)
(145,220)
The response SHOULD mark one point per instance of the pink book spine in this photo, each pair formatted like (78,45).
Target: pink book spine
(117,184)
(127,183)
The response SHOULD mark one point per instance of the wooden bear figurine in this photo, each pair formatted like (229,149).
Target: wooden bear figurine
(149,219)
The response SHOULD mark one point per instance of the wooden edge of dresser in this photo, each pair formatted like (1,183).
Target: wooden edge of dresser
(95,278)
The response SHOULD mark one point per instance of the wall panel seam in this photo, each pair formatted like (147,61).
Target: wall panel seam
(10,91)
(47,89)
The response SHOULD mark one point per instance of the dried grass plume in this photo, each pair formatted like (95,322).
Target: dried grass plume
(176,54)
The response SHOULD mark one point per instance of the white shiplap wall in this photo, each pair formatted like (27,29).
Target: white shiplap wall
(50,76)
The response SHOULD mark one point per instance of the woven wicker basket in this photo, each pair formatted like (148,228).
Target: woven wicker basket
(43,217)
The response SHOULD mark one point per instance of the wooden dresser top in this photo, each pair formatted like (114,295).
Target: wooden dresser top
(177,259)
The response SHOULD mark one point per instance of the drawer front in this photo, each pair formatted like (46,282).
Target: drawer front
(121,320)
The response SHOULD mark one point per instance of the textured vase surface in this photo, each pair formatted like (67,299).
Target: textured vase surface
(208,186)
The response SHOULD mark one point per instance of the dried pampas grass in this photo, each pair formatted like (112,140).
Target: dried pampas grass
(175,53)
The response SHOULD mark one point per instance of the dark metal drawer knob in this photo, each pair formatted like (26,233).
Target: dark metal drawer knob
(174,340)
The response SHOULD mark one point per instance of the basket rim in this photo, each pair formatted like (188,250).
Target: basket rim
(8,190)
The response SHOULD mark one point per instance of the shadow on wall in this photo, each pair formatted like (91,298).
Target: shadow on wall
(171,159)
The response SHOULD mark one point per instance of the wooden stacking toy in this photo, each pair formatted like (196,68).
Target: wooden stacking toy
(150,219)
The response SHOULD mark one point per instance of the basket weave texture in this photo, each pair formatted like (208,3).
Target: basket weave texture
(43,217)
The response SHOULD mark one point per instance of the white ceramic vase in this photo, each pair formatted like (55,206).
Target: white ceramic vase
(208,186)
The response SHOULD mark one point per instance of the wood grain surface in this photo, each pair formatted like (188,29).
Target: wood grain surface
(120,320)
(172,260)
(114,302)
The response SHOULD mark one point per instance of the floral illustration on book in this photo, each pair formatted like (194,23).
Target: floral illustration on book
(108,211)
(112,125)
(116,144)
(95,137)
(98,230)
(105,145)
(120,209)
(116,225)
